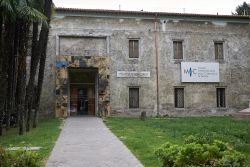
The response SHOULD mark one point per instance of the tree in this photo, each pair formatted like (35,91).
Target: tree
(7,14)
(35,56)
(9,39)
(243,9)
(27,16)
(44,40)
(17,16)
(21,81)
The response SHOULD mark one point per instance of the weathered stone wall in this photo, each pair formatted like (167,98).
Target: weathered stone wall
(198,39)
(47,103)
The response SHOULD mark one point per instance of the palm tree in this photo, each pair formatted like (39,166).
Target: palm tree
(17,16)
(21,81)
(35,56)
(9,58)
(6,14)
(2,95)
(27,16)
(44,40)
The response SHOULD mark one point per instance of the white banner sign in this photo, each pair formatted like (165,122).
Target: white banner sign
(133,74)
(200,72)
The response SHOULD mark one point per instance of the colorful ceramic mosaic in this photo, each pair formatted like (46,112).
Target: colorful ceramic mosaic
(62,81)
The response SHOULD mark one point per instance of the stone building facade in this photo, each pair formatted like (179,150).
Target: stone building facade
(105,62)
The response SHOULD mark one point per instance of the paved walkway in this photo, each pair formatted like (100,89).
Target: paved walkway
(87,142)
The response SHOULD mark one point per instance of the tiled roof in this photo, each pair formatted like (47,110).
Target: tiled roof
(149,14)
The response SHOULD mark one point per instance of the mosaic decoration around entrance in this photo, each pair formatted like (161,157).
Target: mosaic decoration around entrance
(62,81)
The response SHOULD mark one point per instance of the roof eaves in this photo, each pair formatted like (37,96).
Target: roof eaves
(150,14)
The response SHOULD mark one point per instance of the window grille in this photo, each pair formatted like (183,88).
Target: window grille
(133,97)
(221,98)
(179,97)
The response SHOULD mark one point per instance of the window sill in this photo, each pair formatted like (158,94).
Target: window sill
(134,60)
(177,61)
(222,61)
(179,108)
(222,109)
(135,110)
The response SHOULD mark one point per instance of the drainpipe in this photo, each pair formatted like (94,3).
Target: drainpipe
(156,67)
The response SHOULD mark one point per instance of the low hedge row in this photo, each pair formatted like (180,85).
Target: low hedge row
(198,153)
(19,158)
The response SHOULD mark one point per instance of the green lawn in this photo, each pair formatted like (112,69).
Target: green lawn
(143,137)
(44,136)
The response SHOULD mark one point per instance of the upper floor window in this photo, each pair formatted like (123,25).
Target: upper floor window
(178,50)
(218,50)
(134,48)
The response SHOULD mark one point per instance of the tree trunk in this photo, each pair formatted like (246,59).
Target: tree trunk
(9,53)
(2,79)
(21,81)
(1,30)
(44,39)
(15,71)
(33,66)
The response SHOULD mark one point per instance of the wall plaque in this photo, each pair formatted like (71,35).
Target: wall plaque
(133,74)
(200,72)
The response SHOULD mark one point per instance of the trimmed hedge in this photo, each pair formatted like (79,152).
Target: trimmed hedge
(19,158)
(198,153)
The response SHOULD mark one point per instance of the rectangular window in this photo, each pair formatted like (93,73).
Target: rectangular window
(178,50)
(218,50)
(179,97)
(221,97)
(133,97)
(133,48)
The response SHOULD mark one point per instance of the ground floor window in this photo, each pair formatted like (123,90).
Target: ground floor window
(179,97)
(133,97)
(221,97)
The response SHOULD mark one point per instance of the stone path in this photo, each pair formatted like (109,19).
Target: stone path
(87,142)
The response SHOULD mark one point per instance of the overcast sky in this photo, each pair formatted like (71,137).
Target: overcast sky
(179,6)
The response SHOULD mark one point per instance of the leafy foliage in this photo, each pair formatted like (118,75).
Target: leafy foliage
(7,6)
(198,153)
(16,18)
(19,158)
(20,9)
(243,9)
(43,136)
(31,14)
(143,137)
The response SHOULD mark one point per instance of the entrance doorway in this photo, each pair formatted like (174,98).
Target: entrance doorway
(82,91)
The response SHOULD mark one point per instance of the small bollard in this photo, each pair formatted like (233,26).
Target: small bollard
(143,115)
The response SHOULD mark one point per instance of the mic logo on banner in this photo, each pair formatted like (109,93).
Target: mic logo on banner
(190,71)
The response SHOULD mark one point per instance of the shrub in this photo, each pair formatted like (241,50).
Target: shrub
(197,153)
(5,158)
(19,158)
